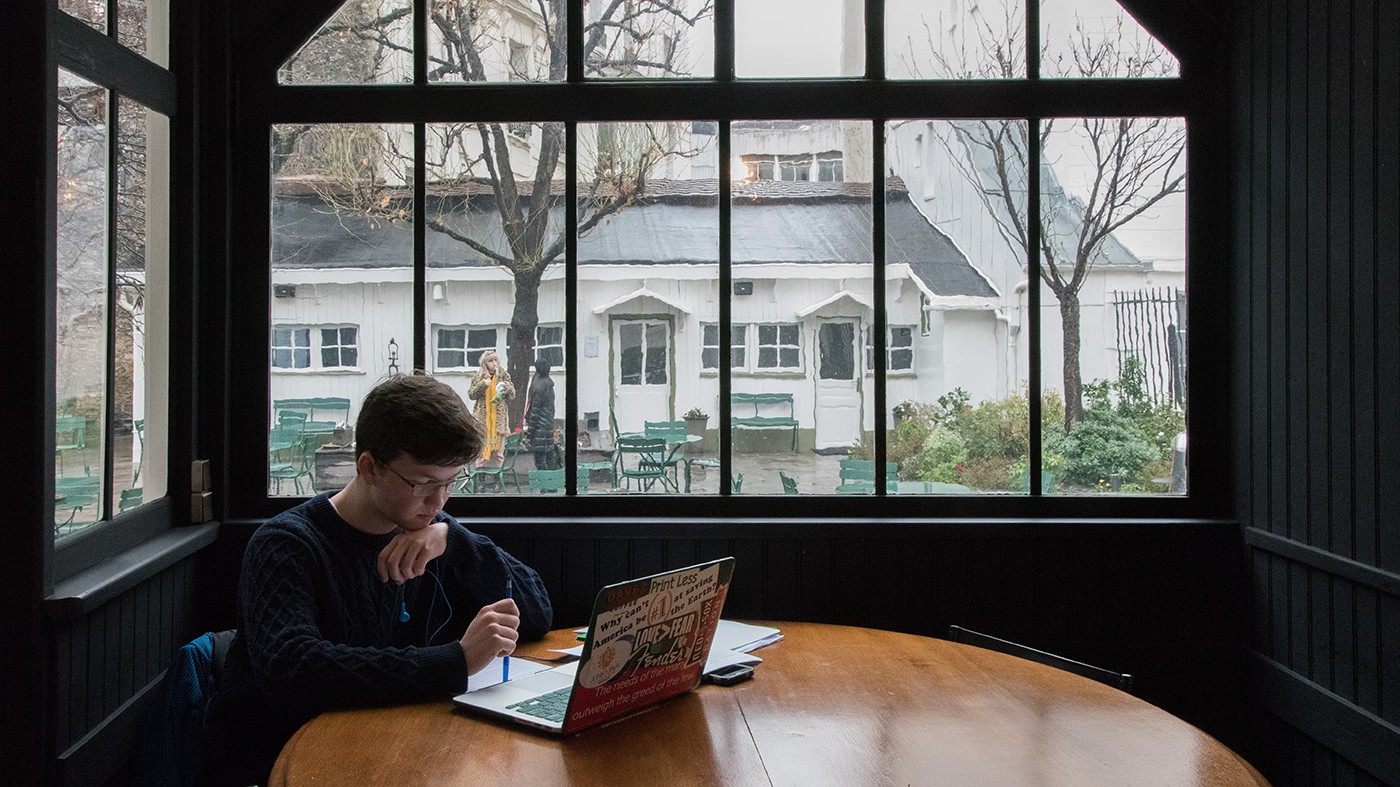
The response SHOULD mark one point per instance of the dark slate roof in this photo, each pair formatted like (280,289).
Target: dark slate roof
(772,222)
(1067,223)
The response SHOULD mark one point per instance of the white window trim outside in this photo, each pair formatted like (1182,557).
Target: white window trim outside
(323,346)
(314,347)
(889,348)
(757,345)
(467,349)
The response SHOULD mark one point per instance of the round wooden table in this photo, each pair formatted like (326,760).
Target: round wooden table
(829,705)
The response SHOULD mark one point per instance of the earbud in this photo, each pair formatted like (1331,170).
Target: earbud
(403,607)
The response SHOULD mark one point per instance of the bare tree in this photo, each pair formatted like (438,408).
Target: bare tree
(1134,163)
(621,38)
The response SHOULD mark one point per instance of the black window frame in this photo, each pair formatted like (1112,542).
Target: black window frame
(722,100)
(98,57)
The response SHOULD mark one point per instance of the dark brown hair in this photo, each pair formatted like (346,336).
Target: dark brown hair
(420,416)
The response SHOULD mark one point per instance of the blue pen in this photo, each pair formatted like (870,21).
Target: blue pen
(505,662)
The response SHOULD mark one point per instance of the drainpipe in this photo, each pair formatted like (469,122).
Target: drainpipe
(1013,320)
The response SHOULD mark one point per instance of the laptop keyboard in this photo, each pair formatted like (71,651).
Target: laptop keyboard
(550,707)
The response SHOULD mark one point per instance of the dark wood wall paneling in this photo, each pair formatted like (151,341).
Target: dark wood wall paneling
(1315,157)
(107,668)
(1162,601)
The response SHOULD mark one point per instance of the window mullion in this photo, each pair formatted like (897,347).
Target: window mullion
(420,247)
(420,42)
(1033,354)
(109,404)
(726,293)
(1033,39)
(571,306)
(877,247)
(724,51)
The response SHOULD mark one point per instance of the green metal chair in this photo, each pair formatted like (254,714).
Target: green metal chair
(858,477)
(643,459)
(139,426)
(130,498)
(73,494)
(70,434)
(506,468)
(789,483)
(675,435)
(552,481)
(287,458)
(547,481)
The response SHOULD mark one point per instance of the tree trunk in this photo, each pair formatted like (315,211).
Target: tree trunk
(523,321)
(1074,386)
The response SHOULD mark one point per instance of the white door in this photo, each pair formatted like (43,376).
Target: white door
(838,383)
(641,372)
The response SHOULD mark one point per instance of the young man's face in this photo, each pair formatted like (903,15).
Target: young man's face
(410,493)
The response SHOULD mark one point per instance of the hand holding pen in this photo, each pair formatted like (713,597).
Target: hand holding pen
(493,632)
(505,660)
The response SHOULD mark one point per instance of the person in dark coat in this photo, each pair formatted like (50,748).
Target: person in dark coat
(539,419)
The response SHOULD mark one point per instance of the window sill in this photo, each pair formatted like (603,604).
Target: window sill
(87,590)
(303,372)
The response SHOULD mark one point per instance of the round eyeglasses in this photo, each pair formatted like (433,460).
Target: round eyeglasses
(420,488)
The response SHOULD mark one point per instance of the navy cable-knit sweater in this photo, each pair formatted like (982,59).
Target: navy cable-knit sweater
(317,630)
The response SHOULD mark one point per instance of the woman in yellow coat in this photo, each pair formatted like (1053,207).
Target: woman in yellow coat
(491,391)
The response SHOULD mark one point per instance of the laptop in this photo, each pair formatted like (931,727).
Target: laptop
(647,641)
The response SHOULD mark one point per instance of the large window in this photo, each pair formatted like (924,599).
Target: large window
(112,303)
(973,295)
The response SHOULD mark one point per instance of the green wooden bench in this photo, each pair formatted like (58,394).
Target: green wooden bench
(323,413)
(763,403)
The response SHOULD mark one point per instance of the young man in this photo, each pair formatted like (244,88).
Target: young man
(370,596)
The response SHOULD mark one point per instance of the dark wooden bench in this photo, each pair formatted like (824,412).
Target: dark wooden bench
(761,403)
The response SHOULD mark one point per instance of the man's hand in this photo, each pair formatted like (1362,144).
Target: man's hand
(491,633)
(407,555)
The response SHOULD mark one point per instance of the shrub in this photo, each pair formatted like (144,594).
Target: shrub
(904,444)
(988,475)
(943,455)
(1105,443)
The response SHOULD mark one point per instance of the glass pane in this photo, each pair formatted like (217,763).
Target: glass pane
(649,39)
(366,42)
(648,247)
(495,42)
(799,38)
(954,39)
(474,252)
(1097,38)
(93,12)
(956,373)
(805,248)
(1113,349)
(131,25)
(82,302)
(342,299)
(141,259)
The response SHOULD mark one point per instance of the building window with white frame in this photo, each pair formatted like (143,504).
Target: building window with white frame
(461,348)
(291,347)
(549,344)
(779,347)
(899,349)
(831,167)
(340,348)
(709,346)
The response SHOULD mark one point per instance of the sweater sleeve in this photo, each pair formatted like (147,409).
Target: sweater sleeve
(287,586)
(475,571)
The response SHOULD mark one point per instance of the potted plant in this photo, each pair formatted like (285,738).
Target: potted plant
(695,421)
